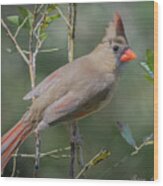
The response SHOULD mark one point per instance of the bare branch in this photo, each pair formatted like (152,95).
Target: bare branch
(15,42)
(44,50)
(25,51)
(39,8)
(64,17)
(79,149)
(36,32)
(75,146)
(14,163)
(73,131)
(71,31)
(20,27)
(49,50)
(33,54)
(36,28)
(45,154)
(102,155)
(145,143)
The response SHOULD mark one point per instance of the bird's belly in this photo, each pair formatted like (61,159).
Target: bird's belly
(95,104)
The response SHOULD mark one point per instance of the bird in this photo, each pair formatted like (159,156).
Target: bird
(75,90)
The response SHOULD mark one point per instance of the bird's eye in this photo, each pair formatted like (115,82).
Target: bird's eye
(115,48)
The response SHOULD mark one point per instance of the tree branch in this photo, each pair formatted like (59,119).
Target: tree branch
(64,17)
(20,27)
(44,50)
(14,41)
(45,154)
(73,131)
(14,164)
(76,149)
(102,155)
(35,43)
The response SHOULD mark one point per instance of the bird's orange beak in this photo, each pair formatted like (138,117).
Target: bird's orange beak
(128,55)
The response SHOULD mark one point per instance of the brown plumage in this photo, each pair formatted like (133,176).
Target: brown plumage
(75,90)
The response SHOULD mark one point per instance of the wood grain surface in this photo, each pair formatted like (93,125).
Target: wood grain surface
(155,90)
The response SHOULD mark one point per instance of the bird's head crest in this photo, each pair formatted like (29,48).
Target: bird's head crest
(115,28)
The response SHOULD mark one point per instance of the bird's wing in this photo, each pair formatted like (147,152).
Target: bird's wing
(62,108)
(64,75)
(52,80)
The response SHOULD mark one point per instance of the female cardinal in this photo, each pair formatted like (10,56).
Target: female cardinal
(75,90)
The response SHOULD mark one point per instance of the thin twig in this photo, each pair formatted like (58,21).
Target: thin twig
(38,25)
(49,50)
(26,52)
(133,153)
(39,8)
(150,142)
(35,31)
(74,20)
(45,154)
(79,149)
(64,17)
(73,130)
(14,41)
(70,32)
(124,159)
(14,163)
(20,27)
(102,155)
(44,50)
(31,64)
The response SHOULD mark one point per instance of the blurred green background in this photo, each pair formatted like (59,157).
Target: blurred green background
(132,103)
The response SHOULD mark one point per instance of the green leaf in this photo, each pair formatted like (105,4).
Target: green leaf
(24,12)
(51,8)
(102,155)
(126,133)
(147,69)
(148,66)
(44,26)
(150,59)
(149,78)
(43,36)
(13,19)
(50,19)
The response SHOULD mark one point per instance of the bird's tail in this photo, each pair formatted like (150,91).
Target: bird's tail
(13,139)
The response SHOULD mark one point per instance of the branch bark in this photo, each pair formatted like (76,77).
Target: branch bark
(75,142)
(45,154)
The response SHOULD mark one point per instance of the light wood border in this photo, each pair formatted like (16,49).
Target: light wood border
(155,90)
